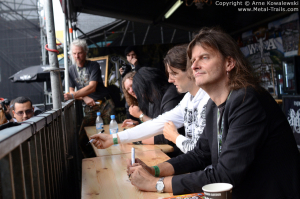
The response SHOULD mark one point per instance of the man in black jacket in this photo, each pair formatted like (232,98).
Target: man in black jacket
(247,140)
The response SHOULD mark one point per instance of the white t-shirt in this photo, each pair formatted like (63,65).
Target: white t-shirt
(190,113)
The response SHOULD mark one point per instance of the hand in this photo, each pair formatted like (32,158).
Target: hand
(89,101)
(135,111)
(134,61)
(121,71)
(170,132)
(138,162)
(68,96)
(102,141)
(140,175)
(129,123)
(143,180)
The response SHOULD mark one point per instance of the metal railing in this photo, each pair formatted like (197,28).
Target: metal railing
(39,159)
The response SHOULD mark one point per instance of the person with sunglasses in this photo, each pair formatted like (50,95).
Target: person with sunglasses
(22,109)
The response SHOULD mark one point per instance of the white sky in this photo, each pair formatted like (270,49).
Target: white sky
(58,15)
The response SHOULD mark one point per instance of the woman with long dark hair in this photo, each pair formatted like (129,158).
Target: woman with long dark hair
(154,95)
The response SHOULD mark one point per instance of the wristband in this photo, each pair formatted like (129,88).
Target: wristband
(115,138)
(157,172)
(72,95)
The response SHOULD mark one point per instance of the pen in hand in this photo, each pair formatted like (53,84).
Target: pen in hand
(132,156)
(93,139)
(132,159)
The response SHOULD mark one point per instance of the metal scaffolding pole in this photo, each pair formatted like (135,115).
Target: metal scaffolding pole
(69,22)
(66,54)
(53,62)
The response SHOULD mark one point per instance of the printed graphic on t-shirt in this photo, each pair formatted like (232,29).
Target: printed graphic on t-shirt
(193,127)
(83,78)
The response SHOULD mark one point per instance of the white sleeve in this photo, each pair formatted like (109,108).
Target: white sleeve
(179,140)
(153,127)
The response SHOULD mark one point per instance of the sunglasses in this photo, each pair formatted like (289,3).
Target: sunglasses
(27,112)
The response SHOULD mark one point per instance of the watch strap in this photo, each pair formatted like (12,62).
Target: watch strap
(141,117)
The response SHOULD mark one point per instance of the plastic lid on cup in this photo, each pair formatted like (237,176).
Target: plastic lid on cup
(98,113)
(112,117)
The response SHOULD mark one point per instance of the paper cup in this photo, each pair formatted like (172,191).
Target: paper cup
(217,191)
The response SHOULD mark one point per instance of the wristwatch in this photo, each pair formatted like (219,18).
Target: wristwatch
(141,117)
(160,186)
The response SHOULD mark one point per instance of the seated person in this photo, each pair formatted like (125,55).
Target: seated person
(153,94)
(22,109)
(247,141)
(189,113)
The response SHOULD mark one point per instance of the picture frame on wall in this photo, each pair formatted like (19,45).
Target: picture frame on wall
(103,62)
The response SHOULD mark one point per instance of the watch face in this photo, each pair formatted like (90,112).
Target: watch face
(160,186)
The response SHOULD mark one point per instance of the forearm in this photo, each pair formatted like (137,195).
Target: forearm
(148,141)
(165,169)
(72,91)
(151,128)
(168,184)
(84,91)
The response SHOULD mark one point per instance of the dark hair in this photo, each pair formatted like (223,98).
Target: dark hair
(241,76)
(21,100)
(129,98)
(131,48)
(176,57)
(149,85)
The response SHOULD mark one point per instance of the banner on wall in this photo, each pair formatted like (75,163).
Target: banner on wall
(267,45)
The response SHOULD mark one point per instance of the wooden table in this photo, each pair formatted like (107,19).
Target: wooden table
(106,177)
(123,148)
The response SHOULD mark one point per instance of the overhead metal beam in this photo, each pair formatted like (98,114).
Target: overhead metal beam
(20,10)
(133,34)
(76,28)
(125,33)
(146,34)
(173,35)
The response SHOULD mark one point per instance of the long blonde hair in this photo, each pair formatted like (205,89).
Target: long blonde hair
(129,98)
